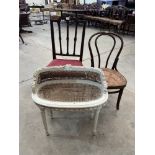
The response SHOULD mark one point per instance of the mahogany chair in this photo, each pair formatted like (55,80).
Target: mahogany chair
(115,80)
(66,46)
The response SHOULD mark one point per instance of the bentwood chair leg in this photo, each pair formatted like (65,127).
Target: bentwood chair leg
(43,115)
(119,98)
(96,120)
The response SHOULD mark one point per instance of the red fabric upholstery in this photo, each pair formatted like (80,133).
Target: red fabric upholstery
(61,62)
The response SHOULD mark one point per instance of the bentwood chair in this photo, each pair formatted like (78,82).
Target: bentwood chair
(65,49)
(115,80)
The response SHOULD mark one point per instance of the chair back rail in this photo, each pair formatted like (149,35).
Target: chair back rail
(113,36)
(68,44)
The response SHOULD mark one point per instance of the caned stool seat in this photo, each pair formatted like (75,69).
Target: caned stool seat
(69,88)
(70,92)
(114,78)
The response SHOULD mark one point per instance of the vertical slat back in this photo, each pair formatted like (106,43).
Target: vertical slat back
(82,41)
(64,45)
(59,29)
(53,39)
(75,37)
(67,38)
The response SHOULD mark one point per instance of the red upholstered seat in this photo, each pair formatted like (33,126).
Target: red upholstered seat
(61,62)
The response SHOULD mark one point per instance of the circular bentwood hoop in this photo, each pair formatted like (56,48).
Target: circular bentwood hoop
(69,88)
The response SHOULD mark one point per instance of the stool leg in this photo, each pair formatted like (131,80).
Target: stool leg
(43,115)
(96,120)
(51,112)
(92,115)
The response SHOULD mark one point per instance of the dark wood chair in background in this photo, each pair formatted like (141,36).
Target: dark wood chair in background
(21,38)
(24,12)
(116,13)
(71,55)
(129,24)
(115,80)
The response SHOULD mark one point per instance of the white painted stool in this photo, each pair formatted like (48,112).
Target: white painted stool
(69,88)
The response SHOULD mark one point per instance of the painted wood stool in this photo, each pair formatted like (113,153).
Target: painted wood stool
(71,88)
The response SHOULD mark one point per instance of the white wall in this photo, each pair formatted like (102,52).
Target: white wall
(39,2)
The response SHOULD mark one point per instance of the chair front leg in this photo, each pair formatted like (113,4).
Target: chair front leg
(119,98)
(43,115)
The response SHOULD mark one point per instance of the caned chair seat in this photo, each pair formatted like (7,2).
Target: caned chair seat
(62,62)
(114,78)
